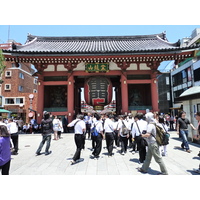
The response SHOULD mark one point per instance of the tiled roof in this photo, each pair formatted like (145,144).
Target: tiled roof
(96,44)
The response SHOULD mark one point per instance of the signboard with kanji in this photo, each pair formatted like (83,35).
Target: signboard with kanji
(97,67)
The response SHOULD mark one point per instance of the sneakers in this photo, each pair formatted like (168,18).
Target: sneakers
(189,151)
(141,170)
(72,162)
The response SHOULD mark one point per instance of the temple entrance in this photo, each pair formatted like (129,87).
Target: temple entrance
(139,96)
(55,98)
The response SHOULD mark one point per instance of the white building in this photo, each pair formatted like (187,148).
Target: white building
(185,80)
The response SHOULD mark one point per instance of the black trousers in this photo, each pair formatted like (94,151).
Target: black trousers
(59,134)
(109,142)
(135,144)
(5,168)
(15,141)
(79,141)
(66,130)
(117,139)
(97,145)
(142,149)
(171,125)
(124,143)
(88,129)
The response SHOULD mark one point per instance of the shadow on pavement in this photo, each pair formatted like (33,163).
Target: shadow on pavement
(193,172)
(178,148)
(134,160)
(196,158)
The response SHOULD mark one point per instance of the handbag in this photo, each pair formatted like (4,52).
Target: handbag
(143,142)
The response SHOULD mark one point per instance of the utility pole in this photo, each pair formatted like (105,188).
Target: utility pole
(8,32)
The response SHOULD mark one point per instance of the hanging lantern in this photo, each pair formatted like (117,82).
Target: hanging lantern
(98,92)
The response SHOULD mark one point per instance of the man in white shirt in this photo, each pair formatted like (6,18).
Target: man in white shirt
(97,138)
(13,130)
(139,127)
(79,129)
(109,127)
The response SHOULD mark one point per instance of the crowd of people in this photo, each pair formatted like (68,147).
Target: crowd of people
(124,131)
(137,132)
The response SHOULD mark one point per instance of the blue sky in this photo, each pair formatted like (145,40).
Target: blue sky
(19,32)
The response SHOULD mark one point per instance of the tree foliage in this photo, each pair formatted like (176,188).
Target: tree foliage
(2,64)
(2,60)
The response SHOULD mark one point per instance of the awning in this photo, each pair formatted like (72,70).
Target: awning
(189,94)
(191,91)
(4,111)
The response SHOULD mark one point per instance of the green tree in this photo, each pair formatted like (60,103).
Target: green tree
(2,65)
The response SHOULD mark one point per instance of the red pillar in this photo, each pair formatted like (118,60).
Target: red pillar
(70,97)
(154,93)
(124,94)
(40,99)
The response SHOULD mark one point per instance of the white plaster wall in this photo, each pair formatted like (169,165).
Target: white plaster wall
(143,66)
(80,67)
(50,68)
(133,66)
(61,68)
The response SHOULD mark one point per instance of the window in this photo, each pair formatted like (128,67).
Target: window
(198,107)
(21,75)
(8,74)
(168,96)
(20,88)
(9,101)
(197,75)
(184,76)
(19,100)
(7,86)
(14,100)
(167,80)
(35,81)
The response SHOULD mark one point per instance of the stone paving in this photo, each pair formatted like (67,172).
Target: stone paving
(178,162)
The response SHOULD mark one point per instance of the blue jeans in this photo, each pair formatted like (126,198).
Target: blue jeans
(184,136)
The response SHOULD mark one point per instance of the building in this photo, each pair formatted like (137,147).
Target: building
(126,63)
(185,80)
(164,92)
(17,88)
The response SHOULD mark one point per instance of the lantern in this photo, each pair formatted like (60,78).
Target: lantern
(98,92)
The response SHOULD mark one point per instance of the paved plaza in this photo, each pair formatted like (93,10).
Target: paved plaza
(178,162)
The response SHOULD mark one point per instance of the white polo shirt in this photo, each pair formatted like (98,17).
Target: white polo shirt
(99,126)
(12,127)
(109,125)
(142,126)
(79,126)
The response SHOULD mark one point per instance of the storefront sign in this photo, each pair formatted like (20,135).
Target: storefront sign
(97,67)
